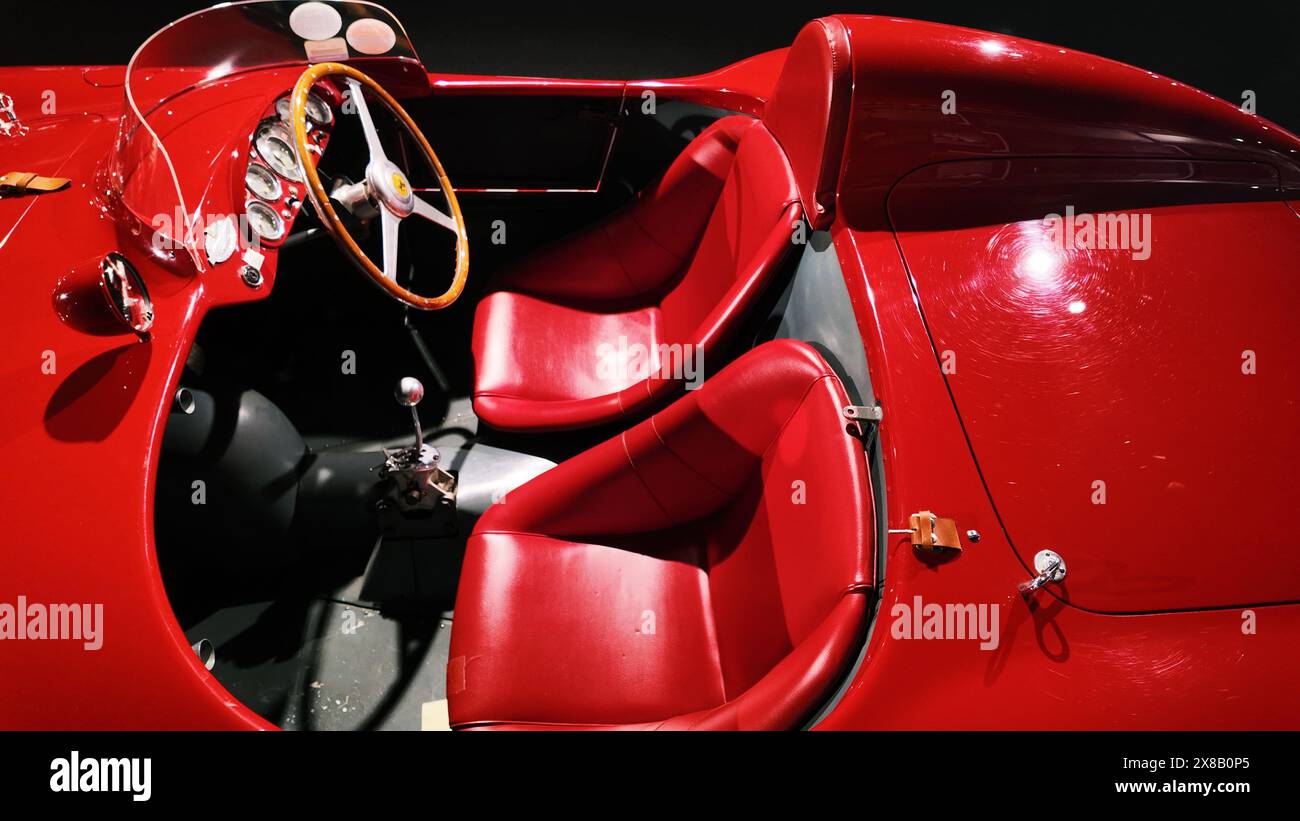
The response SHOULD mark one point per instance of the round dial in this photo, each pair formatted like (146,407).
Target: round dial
(265,221)
(274,146)
(262,182)
(318,111)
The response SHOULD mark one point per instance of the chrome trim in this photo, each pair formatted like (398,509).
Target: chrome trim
(258,205)
(312,97)
(126,294)
(277,130)
(9,122)
(274,177)
(1050,567)
(329,112)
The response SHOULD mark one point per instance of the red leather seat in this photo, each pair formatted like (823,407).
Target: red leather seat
(570,337)
(709,568)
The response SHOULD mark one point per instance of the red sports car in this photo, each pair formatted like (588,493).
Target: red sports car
(910,376)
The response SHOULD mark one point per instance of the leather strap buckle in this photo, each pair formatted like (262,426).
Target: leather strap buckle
(932,533)
(17,183)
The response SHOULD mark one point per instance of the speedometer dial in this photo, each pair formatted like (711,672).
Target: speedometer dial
(318,111)
(262,182)
(265,221)
(274,146)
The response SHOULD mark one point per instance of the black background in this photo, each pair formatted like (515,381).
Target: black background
(1222,48)
(1048,775)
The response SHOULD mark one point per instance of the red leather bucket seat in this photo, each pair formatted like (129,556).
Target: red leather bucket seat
(708,569)
(564,342)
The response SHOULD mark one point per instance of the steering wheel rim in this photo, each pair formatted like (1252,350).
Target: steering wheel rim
(387,184)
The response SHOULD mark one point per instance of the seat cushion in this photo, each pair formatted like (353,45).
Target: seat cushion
(557,365)
(583,633)
(706,568)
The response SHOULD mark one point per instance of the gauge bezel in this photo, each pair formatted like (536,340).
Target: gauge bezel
(277,130)
(275,180)
(312,99)
(279,221)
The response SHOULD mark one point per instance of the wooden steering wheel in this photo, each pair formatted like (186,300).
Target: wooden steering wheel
(386,186)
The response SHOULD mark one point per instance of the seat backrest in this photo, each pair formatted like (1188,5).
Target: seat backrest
(747,234)
(701,244)
(808,113)
(778,494)
(792,155)
(701,238)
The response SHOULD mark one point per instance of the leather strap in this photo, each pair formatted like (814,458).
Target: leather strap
(934,533)
(22,182)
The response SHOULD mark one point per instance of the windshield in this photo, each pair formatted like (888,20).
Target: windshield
(211,47)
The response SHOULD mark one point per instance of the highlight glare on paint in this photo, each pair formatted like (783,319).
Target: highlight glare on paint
(1038,264)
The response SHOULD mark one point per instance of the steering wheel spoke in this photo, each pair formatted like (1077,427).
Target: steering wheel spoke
(426,210)
(373,143)
(389,223)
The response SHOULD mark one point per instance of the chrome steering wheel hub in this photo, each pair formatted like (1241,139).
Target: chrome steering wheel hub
(390,187)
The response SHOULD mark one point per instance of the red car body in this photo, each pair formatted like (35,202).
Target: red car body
(1006,397)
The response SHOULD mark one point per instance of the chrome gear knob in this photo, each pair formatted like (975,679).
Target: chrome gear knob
(409,392)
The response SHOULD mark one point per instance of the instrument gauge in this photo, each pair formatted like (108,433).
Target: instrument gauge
(268,224)
(318,111)
(262,182)
(275,146)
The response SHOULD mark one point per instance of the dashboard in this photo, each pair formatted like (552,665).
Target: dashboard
(274,188)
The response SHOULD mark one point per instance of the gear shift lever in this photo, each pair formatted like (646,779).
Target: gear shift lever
(409,393)
(420,481)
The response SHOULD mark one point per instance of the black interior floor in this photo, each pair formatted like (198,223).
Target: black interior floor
(349,635)
(321,664)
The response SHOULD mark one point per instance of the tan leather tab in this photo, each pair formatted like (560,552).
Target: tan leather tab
(934,533)
(22,182)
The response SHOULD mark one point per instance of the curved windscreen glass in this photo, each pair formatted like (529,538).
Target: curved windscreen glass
(213,47)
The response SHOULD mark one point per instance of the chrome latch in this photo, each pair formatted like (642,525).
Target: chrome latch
(864,413)
(1050,567)
(864,422)
(9,124)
